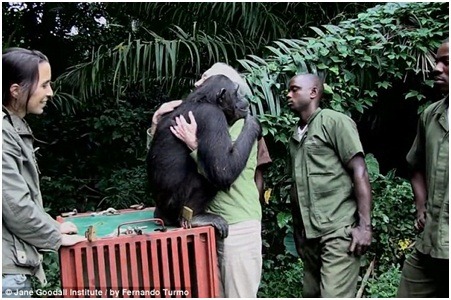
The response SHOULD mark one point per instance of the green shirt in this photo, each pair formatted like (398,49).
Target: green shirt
(430,153)
(324,188)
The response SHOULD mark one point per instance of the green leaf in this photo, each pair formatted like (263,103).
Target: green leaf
(283,218)
(370,93)
(411,94)
(318,31)
(327,89)
(334,70)
(383,84)
(258,59)
(289,244)
(372,166)
(324,52)
(333,29)
(282,46)
(420,96)
(359,51)
(336,59)
(275,50)
(358,106)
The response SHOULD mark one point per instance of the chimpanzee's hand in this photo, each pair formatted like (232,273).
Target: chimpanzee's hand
(253,123)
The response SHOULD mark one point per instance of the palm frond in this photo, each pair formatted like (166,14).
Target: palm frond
(136,62)
(259,22)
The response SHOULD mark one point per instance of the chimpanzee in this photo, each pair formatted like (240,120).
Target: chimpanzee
(176,180)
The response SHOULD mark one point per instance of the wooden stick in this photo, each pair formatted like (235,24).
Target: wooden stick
(365,278)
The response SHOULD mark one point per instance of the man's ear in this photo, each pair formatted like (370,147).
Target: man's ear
(314,92)
(220,95)
(14,90)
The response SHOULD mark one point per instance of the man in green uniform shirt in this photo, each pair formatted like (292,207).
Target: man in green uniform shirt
(331,194)
(426,272)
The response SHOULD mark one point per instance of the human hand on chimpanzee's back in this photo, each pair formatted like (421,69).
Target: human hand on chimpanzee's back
(185,131)
(164,109)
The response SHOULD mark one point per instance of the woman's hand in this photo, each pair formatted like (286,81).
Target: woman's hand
(70,240)
(68,228)
(164,109)
(186,131)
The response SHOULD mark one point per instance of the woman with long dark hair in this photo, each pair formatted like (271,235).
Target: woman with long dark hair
(26,227)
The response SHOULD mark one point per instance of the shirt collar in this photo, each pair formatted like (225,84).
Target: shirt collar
(19,124)
(442,111)
(315,113)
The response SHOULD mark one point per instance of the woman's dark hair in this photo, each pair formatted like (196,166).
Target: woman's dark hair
(20,66)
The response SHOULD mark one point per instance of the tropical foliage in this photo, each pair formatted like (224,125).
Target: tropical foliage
(174,48)
(387,46)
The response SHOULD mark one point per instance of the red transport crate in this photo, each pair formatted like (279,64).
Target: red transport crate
(176,263)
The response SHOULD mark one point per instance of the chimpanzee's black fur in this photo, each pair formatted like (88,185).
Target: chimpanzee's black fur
(173,173)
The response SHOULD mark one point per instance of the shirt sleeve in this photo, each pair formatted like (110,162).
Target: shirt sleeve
(263,157)
(345,137)
(416,155)
(22,216)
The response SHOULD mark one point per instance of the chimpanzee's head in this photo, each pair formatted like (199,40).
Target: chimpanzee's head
(220,90)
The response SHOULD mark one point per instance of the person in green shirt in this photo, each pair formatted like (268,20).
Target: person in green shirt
(330,195)
(240,253)
(425,273)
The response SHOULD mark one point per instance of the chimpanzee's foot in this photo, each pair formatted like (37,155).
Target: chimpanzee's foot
(218,222)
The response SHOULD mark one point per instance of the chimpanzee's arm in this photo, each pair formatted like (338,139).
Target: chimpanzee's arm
(222,160)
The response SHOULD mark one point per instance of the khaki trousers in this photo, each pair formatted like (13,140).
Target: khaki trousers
(424,277)
(329,271)
(240,260)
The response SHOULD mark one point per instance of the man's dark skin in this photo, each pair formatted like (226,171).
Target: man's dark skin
(305,92)
(418,179)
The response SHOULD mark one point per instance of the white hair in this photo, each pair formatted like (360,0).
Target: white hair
(220,68)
